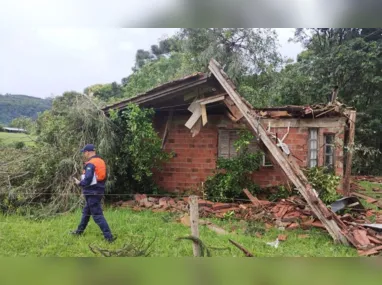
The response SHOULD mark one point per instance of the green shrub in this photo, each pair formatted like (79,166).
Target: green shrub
(324,182)
(233,175)
(138,151)
(19,145)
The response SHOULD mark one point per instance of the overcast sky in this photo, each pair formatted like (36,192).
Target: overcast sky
(49,61)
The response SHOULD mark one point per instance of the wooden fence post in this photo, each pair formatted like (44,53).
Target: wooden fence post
(194,219)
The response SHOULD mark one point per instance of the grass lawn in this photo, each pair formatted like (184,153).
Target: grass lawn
(9,138)
(23,237)
(369,186)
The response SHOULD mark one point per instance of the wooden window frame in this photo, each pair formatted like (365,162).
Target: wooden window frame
(333,145)
(310,149)
(264,163)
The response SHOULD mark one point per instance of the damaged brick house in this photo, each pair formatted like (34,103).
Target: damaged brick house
(199,122)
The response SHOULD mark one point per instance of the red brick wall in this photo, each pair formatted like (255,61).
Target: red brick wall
(196,157)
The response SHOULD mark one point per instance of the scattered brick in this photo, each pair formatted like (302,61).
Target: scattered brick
(282,237)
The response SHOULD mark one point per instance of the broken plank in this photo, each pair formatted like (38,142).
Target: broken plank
(167,129)
(211,99)
(204,115)
(295,174)
(193,106)
(194,118)
(277,114)
(374,240)
(229,101)
(234,111)
(196,128)
(371,251)
(229,115)
(361,237)
(253,199)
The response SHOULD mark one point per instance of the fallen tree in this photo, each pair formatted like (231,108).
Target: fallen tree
(40,178)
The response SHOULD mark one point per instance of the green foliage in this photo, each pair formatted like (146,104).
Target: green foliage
(48,238)
(364,160)
(19,145)
(234,173)
(14,106)
(157,52)
(139,150)
(241,50)
(23,123)
(324,182)
(281,192)
(105,92)
(158,72)
(48,167)
(350,59)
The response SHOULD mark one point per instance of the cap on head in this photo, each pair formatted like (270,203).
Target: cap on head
(88,147)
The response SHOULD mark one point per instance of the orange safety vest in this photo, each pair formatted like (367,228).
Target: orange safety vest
(99,168)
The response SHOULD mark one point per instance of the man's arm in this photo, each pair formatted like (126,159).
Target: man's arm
(89,173)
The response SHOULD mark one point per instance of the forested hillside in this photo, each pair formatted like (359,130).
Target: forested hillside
(14,106)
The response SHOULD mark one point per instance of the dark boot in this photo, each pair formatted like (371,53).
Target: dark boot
(76,233)
(111,239)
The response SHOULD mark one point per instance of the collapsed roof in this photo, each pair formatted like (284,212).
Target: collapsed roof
(216,87)
(201,85)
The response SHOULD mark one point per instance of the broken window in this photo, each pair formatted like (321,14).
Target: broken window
(313,147)
(266,160)
(329,150)
(226,147)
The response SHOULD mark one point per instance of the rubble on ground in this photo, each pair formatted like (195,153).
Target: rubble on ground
(286,214)
(373,179)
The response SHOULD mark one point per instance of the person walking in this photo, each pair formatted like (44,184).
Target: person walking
(93,187)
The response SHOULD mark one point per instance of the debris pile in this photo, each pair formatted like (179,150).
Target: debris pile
(373,179)
(362,227)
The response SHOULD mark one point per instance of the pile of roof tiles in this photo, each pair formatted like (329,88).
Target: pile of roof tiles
(360,227)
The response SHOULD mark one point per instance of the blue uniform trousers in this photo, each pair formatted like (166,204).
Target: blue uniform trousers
(93,208)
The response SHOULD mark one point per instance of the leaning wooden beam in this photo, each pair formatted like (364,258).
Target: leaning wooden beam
(291,169)
(167,129)
(349,156)
(334,95)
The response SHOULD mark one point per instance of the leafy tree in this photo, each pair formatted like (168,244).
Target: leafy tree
(158,72)
(23,123)
(165,47)
(241,50)
(138,150)
(350,59)
(105,92)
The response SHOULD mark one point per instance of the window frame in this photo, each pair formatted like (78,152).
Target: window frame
(309,160)
(333,145)
(264,162)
